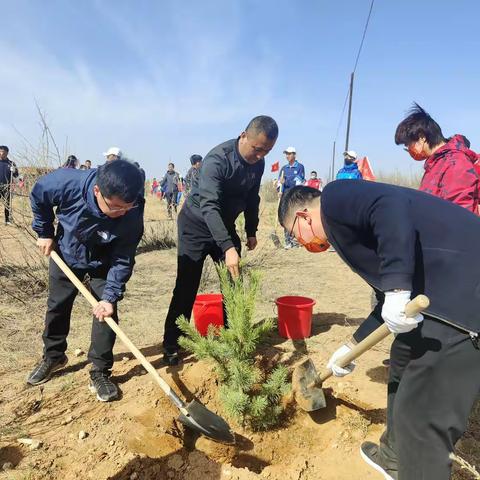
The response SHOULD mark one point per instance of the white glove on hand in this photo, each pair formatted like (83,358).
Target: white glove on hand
(339,371)
(393,312)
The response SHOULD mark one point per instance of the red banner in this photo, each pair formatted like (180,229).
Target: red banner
(366,169)
(275,167)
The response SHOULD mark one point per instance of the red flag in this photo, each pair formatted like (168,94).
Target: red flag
(275,167)
(366,169)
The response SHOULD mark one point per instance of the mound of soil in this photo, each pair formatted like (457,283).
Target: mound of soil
(139,436)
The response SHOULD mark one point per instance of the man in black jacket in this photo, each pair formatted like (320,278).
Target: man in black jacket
(8,171)
(404,242)
(228,184)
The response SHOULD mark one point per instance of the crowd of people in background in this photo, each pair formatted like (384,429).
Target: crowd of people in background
(173,186)
(451,168)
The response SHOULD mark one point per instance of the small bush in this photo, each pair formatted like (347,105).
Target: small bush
(411,179)
(249,394)
(160,236)
(268,191)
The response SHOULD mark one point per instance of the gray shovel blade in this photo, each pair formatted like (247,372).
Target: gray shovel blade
(309,398)
(207,423)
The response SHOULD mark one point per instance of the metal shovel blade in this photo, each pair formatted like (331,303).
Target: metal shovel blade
(308,398)
(207,423)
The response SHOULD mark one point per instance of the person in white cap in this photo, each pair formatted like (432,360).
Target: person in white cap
(350,170)
(113,153)
(291,175)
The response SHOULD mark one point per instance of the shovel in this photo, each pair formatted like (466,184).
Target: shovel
(307,383)
(194,415)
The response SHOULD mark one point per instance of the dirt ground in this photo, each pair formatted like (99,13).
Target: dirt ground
(138,436)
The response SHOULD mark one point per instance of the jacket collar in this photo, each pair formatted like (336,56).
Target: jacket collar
(293,165)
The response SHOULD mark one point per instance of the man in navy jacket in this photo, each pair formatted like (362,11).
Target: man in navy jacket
(100,222)
(404,242)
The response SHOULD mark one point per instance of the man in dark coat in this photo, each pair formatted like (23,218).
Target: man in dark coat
(169,185)
(8,171)
(228,185)
(403,243)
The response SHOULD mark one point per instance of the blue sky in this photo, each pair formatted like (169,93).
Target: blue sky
(164,79)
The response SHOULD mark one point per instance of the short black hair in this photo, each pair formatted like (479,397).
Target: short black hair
(418,124)
(296,198)
(172,164)
(4,147)
(89,161)
(195,159)
(120,179)
(71,162)
(263,124)
(313,171)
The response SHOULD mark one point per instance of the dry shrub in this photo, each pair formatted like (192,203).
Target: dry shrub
(411,179)
(268,192)
(158,236)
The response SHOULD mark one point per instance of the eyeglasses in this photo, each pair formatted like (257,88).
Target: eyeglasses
(121,209)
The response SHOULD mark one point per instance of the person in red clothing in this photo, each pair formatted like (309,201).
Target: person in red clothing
(449,163)
(313,181)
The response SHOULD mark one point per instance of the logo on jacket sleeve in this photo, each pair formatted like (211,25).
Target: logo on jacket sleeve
(103,235)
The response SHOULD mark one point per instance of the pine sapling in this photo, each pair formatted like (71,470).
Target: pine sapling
(249,394)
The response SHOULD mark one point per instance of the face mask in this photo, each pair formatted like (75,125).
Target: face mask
(315,245)
(416,155)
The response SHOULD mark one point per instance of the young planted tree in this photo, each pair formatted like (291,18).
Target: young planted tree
(249,394)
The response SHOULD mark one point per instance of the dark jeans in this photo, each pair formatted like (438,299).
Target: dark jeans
(289,239)
(195,243)
(61,296)
(5,199)
(171,201)
(434,381)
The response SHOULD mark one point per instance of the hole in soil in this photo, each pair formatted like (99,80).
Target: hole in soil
(11,455)
(254,464)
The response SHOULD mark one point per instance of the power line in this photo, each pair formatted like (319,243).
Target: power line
(355,67)
(363,36)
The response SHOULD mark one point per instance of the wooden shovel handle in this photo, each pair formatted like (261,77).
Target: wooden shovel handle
(414,307)
(113,325)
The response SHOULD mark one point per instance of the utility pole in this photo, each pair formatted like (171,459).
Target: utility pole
(333,162)
(349,111)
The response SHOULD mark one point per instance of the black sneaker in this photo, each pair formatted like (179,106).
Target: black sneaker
(370,453)
(170,357)
(44,370)
(105,389)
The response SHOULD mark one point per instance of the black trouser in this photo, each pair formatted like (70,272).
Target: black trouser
(171,201)
(61,295)
(195,243)
(5,199)
(434,381)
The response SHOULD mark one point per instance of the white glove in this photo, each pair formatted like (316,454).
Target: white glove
(393,312)
(339,371)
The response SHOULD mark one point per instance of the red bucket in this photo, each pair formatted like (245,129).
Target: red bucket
(295,316)
(208,310)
